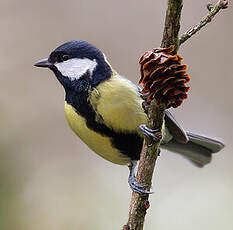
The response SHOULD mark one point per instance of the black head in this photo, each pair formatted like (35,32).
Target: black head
(75,61)
(75,49)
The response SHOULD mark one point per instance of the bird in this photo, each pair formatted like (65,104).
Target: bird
(104,109)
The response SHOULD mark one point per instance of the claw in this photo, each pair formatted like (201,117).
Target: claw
(132,181)
(134,185)
(142,95)
(139,190)
(150,133)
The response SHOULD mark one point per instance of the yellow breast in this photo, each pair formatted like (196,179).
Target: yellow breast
(118,103)
(95,141)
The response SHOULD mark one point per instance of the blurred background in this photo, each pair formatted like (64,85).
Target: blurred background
(49,179)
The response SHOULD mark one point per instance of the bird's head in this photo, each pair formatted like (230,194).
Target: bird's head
(77,61)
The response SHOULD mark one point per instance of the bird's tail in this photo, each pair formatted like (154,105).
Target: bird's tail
(198,149)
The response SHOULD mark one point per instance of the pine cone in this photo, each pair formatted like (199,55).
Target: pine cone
(164,77)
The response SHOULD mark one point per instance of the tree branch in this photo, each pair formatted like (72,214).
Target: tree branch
(172,24)
(139,202)
(222,4)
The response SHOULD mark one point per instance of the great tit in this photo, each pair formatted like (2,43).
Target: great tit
(105,110)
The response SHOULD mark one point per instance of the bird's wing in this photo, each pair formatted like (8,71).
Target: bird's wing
(175,129)
(118,105)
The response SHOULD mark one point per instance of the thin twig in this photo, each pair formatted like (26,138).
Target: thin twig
(172,24)
(139,203)
(222,4)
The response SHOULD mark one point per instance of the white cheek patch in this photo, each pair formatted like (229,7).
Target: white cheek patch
(75,68)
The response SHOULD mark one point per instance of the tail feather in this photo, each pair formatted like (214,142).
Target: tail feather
(198,149)
(209,143)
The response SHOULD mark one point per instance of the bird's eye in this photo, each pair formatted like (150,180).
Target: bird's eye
(65,57)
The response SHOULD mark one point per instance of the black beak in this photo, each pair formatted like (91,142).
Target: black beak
(43,63)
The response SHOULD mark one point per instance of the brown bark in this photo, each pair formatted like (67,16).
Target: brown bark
(139,202)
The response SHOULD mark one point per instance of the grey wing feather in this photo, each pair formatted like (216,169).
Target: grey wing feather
(199,149)
(209,143)
(197,154)
(175,129)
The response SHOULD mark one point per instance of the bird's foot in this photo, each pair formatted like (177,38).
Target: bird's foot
(150,134)
(142,95)
(134,185)
(137,187)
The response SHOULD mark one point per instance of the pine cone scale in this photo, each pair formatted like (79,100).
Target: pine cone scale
(164,77)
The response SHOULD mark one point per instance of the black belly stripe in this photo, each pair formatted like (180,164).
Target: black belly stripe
(129,144)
